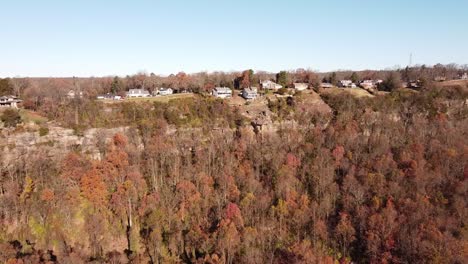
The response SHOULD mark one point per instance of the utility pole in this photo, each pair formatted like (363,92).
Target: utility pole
(75,100)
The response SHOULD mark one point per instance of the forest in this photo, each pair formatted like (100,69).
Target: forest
(380,179)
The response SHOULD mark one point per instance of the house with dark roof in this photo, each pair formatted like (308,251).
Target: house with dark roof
(9,101)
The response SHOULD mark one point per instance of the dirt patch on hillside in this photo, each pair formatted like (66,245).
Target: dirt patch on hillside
(357,92)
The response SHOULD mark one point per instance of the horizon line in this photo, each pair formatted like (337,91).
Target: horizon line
(146,72)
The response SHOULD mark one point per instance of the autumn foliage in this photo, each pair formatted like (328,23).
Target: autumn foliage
(378,180)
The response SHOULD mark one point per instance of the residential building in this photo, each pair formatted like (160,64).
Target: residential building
(368,84)
(346,84)
(222,92)
(326,85)
(165,91)
(9,101)
(464,76)
(109,96)
(301,86)
(132,93)
(250,93)
(72,94)
(414,84)
(270,85)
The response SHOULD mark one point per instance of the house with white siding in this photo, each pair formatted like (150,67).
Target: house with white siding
(9,101)
(222,92)
(301,86)
(326,85)
(135,93)
(74,94)
(270,85)
(250,93)
(165,91)
(346,84)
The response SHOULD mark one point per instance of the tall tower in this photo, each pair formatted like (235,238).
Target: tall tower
(410,59)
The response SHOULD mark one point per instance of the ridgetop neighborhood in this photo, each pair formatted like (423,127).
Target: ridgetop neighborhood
(251,90)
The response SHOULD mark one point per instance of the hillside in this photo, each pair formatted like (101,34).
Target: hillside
(309,178)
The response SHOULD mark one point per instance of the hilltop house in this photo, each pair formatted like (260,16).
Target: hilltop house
(346,84)
(301,86)
(222,92)
(326,85)
(9,101)
(367,84)
(109,96)
(250,93)
(269,85)
(414,84)
(133,93)
(165,91)
(72,94)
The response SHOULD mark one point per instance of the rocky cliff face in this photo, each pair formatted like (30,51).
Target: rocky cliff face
(58,142)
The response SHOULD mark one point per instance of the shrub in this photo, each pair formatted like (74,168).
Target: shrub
(43,131)
(391,83)
(29,104)
(282,91)
(11,118)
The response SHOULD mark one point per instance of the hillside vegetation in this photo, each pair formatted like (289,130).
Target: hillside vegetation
(379,179)
(376,180)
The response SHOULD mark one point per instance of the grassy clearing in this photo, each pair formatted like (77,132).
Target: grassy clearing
(454,82)
(30,116)
(357,92)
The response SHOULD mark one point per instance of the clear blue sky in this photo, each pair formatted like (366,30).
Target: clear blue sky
(97,38)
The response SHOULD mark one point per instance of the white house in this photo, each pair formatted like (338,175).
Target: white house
(346,83)
(109,96)
(250,93)
(367,84)
(9,101)
(269,85)
(222,92)
(326,85)
(301,86)
(138,93)
(165,91)
(464,76)
(72,94)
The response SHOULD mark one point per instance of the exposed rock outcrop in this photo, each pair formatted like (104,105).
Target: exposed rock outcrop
(59,141)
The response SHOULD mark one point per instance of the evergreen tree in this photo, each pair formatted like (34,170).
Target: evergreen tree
(5,87)
(11,118)
(282,78)
(116,85)
(354,77)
